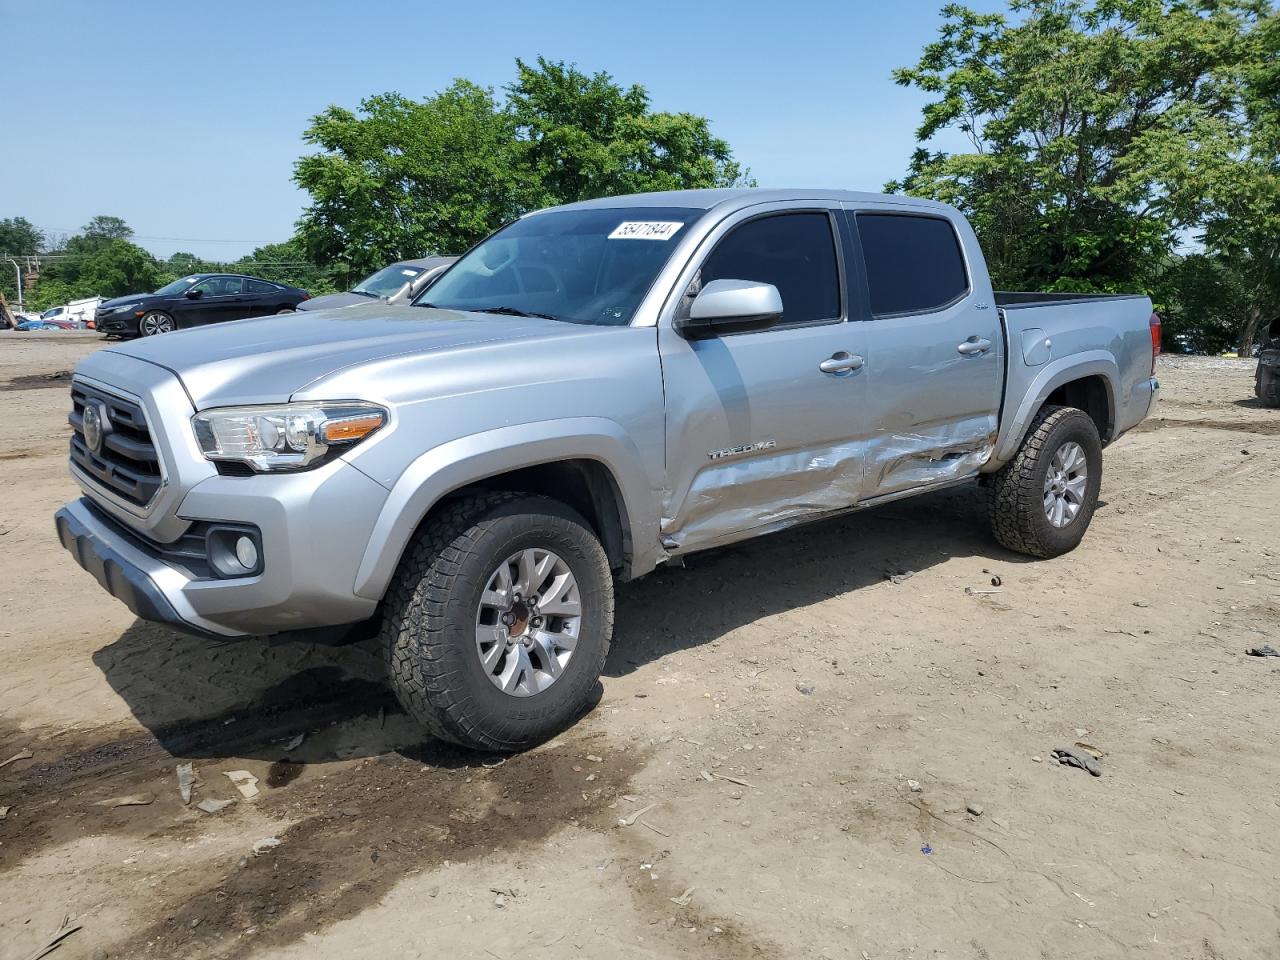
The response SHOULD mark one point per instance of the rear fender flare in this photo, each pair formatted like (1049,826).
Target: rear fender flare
(1074,367)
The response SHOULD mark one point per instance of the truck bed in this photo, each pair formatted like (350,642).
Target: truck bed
(1034,298)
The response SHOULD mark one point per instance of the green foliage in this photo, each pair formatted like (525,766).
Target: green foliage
(583,136)
(107,228)
(1100,131)
(19,237)
(286,263)
(406,178)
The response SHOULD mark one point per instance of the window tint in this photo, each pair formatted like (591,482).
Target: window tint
(219,286)
(795,252)
(261,286)
(913,263)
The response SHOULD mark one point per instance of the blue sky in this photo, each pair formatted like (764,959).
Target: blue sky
(186,118)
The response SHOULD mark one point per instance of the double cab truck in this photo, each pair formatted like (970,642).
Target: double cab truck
(594,390)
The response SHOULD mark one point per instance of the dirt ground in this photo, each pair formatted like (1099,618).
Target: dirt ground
(763,712)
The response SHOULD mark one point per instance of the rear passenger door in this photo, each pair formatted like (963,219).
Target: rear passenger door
(260,298)
(758,435)
(934,350)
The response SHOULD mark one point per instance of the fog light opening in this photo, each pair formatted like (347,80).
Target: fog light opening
(235,552)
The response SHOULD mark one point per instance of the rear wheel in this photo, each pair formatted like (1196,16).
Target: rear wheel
(498,621)
(1043,499)
(155,322)
(284,311)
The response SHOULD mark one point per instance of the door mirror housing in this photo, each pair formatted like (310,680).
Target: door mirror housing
(731,306)
(194,294)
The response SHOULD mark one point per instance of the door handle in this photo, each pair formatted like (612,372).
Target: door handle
(841,364)
(974,346)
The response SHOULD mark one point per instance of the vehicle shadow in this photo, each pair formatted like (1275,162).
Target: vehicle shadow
(723,589)
(250,698)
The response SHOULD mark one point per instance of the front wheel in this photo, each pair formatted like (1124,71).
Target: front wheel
(498,621)
(155,322)
(1043,499)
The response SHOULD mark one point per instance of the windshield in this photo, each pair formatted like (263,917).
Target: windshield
(170,289)
(582,266)
(388,281)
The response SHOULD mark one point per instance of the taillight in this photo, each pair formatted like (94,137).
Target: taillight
(307,296)
(1155,341)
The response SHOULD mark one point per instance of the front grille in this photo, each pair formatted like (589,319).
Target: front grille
(127,464)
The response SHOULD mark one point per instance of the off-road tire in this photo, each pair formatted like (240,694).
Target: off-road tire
(1016,506)
(429,625)
(1268,385)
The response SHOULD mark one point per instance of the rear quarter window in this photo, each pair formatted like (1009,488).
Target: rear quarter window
(914,263)
(261,286)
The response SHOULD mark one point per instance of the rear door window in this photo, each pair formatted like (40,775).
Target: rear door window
(914,264)
(796,252)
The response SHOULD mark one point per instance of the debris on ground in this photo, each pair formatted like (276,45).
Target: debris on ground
(926,849)
(1263,651)
(629,821)
(213,806)
(806,688)
(186,780)
(978,592)
(266,843)
(65,930)
(902,576)
(295,743)
(1077,758)
(741,783)
(1090,749)
(592,758)
(4,812)
(133,800)
(684,899)
(974,808)
(20,755)
(997,581)
(658,830)
(914,786)
(245,782)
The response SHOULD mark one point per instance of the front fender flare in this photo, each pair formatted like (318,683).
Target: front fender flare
(467,460)
(1075,366)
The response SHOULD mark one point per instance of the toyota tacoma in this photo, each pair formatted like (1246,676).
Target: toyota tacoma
(592,391)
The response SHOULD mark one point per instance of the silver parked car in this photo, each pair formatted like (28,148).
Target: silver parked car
(398,283)
(594,390)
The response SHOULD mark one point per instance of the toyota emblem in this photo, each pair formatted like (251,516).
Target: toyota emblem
(96,424)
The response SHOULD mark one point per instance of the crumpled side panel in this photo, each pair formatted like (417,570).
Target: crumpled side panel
(764,492)
(899,461)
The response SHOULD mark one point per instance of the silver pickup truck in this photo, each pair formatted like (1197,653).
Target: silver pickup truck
(592,391)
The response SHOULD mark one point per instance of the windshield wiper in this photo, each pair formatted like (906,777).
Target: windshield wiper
(516,312)
(366,293)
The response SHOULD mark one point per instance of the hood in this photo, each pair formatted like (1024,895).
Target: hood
(331,300)
(121,301)
(268,359)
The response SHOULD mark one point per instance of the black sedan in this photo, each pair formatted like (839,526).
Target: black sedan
(193,301)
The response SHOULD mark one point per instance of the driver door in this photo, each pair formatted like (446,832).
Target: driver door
(220,298)
(757,434)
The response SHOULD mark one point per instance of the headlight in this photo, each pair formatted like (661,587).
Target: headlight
(292,436)
(125,308)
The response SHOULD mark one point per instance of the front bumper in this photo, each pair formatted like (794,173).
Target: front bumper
(127,573)
(314,527)
(118,324)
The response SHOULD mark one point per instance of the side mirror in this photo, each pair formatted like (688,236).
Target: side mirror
(194,294)
(731,306)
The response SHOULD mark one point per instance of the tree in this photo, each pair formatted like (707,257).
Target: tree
(19,237)
(583,136)
(286,263)
(1100,129)
(404,178)
(407,179)
(1243,232)
(107,228)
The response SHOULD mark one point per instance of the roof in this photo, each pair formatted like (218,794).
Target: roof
(737,197)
